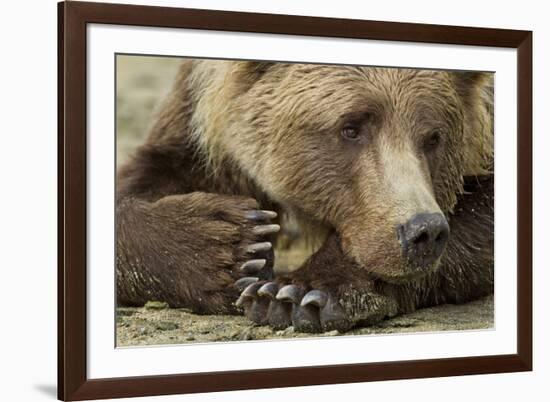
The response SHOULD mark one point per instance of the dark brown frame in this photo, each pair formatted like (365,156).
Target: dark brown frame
(73,383)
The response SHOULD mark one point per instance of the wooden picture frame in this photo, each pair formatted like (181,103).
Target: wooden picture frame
(73,17)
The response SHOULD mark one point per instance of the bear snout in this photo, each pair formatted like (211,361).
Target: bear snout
(423,239)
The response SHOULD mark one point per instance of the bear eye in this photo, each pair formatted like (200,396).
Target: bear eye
(350,133)
(357,126)
(433,140)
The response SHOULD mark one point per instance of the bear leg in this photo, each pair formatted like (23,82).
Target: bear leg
(189,249)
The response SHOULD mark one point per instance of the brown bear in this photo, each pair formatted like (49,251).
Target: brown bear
(389,169)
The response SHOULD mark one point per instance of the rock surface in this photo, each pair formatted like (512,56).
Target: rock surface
(142,326)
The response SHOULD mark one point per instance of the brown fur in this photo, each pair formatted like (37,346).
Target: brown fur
(234,136)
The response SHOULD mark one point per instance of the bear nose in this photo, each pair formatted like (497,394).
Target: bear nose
(423,238)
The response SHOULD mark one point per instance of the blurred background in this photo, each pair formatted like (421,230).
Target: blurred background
(141,83)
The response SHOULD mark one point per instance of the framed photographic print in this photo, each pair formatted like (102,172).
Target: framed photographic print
(253,200)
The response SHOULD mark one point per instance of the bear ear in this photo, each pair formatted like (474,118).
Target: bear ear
(247,73)
(256,68)
(468,83)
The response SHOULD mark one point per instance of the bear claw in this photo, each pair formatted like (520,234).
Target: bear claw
(251,290)
(279,315)
(316,297)
(248,294)
(263,230)
(253,266)
(257,247)
(306,319)
(256,308)
(260,215)
(270,290)
(290,293)
(243,283)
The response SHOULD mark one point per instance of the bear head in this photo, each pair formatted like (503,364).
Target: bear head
(377,154)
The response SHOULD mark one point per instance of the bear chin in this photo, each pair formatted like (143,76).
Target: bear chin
(404,273)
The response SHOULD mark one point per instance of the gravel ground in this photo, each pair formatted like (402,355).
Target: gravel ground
(161,325)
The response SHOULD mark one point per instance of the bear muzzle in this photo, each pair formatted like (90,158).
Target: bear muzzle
(423,239)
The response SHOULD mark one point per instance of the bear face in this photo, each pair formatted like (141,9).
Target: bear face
(378,154)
